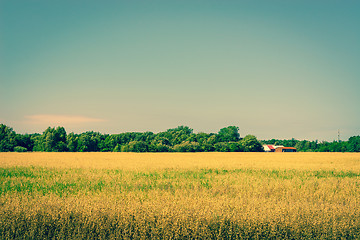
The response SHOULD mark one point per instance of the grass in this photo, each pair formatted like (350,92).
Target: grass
(179,196)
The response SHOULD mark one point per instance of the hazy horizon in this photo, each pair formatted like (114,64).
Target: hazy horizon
(276,69)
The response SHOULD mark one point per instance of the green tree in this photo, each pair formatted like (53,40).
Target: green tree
(156,146)
(117,148)
(235,147)
(251,144)
(175,136)
(300,145)
(109,143)
(228,134)
(353,144)
(135,146)
(89,142)
(25,141)
(222,147)
(52,140)
(7,138)
(72,142)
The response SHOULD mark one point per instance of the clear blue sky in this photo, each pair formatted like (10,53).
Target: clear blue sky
(275,69)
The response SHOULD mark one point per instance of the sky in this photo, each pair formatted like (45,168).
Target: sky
(276,69)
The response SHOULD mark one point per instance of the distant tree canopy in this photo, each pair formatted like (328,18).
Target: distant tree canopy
(180,139)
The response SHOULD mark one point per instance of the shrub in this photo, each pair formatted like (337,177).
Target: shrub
(187,147)
(20,149)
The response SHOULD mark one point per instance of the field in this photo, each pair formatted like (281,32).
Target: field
(179,196)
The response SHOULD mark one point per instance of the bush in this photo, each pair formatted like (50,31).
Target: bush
(20,149)
(159,147)
(187,147)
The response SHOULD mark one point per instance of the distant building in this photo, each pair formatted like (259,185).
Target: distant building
(285,149)
(270,148)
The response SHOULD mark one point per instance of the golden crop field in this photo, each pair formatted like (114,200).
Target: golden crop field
(179,196)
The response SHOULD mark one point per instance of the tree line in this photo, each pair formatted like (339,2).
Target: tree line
(180,139)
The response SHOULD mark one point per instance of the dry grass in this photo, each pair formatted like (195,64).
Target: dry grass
(179,196)
(153,161)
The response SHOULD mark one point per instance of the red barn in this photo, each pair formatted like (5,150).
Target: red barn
(285,149)
(270,148)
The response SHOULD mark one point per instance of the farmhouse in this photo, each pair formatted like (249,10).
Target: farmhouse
(285,149)
(270,148)
(274,148)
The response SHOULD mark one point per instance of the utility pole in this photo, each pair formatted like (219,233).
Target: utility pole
(338,135)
